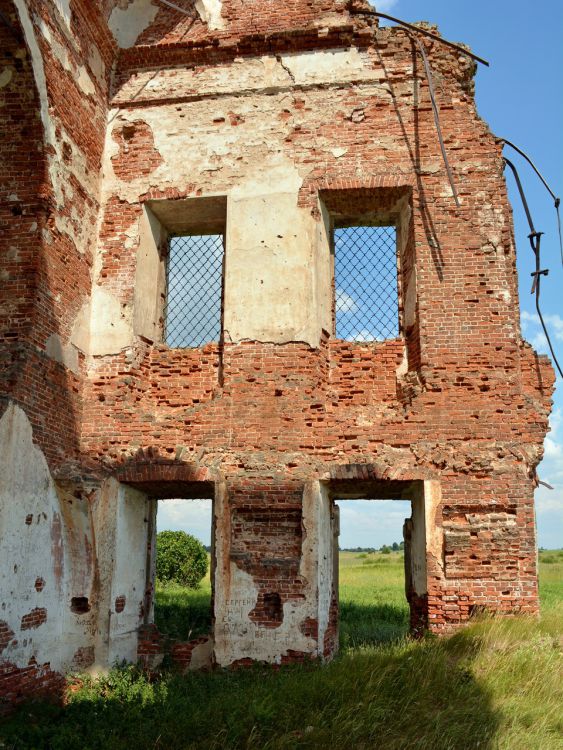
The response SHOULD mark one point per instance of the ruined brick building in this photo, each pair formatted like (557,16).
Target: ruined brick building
(270,127)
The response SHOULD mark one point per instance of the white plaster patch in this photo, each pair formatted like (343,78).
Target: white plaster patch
(6,76)
(63,6)
(84,81)
(278,176)
(38,69)
(210,13)
(67,354)
(129,574)
(127,24)
(237,637)
(326,65)
(97,65)
(29,527)
(103,326)
(79,73)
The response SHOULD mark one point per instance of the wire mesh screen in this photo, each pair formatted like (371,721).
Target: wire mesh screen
(194,279)
(365,269)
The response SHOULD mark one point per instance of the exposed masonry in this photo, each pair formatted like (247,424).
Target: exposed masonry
(128,121)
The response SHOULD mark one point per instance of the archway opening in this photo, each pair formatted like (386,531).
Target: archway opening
(183,598)
(372,601)
(379,559)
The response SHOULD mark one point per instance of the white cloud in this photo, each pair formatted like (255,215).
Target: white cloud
(192,516)
(345,302)
(372,523)
(363,336)
(532,329)
(385,5)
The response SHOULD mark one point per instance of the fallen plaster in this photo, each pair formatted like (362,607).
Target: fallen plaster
(126,24)
(210,13)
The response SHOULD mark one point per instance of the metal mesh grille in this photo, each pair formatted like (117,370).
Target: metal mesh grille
(194,278)
(365,268)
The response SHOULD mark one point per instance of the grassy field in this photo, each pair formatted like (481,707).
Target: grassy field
(494,685)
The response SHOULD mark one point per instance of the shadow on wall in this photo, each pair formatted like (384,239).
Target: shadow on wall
(421,695)
(40,259)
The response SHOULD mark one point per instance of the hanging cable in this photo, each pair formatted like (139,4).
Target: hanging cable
(535,241)
(176,7)
(556,200)
(420,30)
(437,118)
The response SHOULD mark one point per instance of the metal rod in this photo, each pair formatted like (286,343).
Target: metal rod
(437,119)
(522,194)
(535,242)
(421,31)
(556,200)
(176,7)
(531,163)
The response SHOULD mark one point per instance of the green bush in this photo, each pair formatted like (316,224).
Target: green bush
(181,558)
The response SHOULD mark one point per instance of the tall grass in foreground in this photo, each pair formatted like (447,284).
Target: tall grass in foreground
(494,685)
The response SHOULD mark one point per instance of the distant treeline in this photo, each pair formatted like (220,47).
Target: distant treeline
(385,548)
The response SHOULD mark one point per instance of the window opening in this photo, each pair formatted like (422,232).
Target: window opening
(184,612)
(371,568)
(194,290)
(366,291)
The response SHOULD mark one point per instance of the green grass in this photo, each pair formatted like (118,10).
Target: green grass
(495,685)
(183,613)
(373,607)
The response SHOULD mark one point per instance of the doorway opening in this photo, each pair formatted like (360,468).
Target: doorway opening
(181,567)
(381,569)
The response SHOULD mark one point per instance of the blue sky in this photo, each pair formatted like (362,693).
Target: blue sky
(521,97)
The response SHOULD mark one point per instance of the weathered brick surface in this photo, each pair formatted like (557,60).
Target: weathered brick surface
(34,619)
(18,684)
(458,398)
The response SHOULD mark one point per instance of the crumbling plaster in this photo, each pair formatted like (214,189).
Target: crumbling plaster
(268,234)
(36,534)
(127,23)
(78,228)
(257,142)
(236,636)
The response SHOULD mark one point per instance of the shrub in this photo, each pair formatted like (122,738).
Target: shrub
(181,558)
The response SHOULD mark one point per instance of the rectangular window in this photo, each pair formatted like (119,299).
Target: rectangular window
(194,290)
(365,275)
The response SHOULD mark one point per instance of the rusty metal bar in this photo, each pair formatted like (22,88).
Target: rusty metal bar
(437,119)
(429,34)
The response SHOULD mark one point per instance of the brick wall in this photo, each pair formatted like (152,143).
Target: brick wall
(458,398)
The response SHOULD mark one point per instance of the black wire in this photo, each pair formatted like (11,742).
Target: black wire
(531,163)
(556,200)
(522,195)
(535,240)
(535,243)
(420,30)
